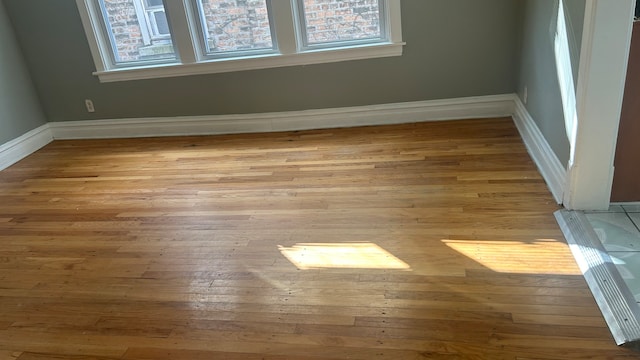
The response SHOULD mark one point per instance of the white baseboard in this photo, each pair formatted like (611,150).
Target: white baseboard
(17,149)
(550,167)
(431,110)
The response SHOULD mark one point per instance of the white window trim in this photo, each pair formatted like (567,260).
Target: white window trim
(140,13)
(290,53)
(305,44)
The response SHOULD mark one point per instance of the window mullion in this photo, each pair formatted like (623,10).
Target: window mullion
(183,37)
(285,27)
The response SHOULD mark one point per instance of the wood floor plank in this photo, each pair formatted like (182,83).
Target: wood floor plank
(414,241)
(9,355)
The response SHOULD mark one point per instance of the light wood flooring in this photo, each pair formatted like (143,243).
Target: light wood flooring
(418,241)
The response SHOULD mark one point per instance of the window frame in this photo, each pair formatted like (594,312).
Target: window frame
(199,24)
(191,59)
(107,45)
(304,43)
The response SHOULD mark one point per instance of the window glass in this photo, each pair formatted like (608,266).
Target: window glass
(160,23)
(156,19)
(235,25)
(333,21)
(138,31)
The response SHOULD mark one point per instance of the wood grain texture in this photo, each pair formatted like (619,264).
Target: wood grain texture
(418,241)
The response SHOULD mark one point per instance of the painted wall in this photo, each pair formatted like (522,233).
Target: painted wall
(538,71)
(20,109)
(455,48)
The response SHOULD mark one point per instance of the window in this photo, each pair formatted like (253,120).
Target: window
(139,39)
(329,22)
(137,32)
(243,27)
(156,19)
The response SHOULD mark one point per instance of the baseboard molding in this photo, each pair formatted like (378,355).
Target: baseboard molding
(550,167)
(17,149)
(431,110)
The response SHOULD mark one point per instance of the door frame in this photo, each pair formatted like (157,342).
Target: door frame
(601,78)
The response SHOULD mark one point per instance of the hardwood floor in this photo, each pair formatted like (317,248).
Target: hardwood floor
(419,241)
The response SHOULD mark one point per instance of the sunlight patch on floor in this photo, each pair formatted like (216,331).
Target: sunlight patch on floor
(543,256)
(365,255)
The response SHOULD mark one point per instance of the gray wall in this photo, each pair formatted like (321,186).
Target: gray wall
(538,67)
(455,48)
(20,109)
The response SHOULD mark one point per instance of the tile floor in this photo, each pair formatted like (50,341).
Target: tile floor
(619,231)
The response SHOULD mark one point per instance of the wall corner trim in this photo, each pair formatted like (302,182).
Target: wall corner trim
(17,149)
(550,167)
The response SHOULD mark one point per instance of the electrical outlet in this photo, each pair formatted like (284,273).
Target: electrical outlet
(525,95)
(89,104)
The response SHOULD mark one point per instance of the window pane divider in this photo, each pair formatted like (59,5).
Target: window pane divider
(284,25)
(184,41)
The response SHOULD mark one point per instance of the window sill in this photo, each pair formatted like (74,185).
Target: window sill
(252,63)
